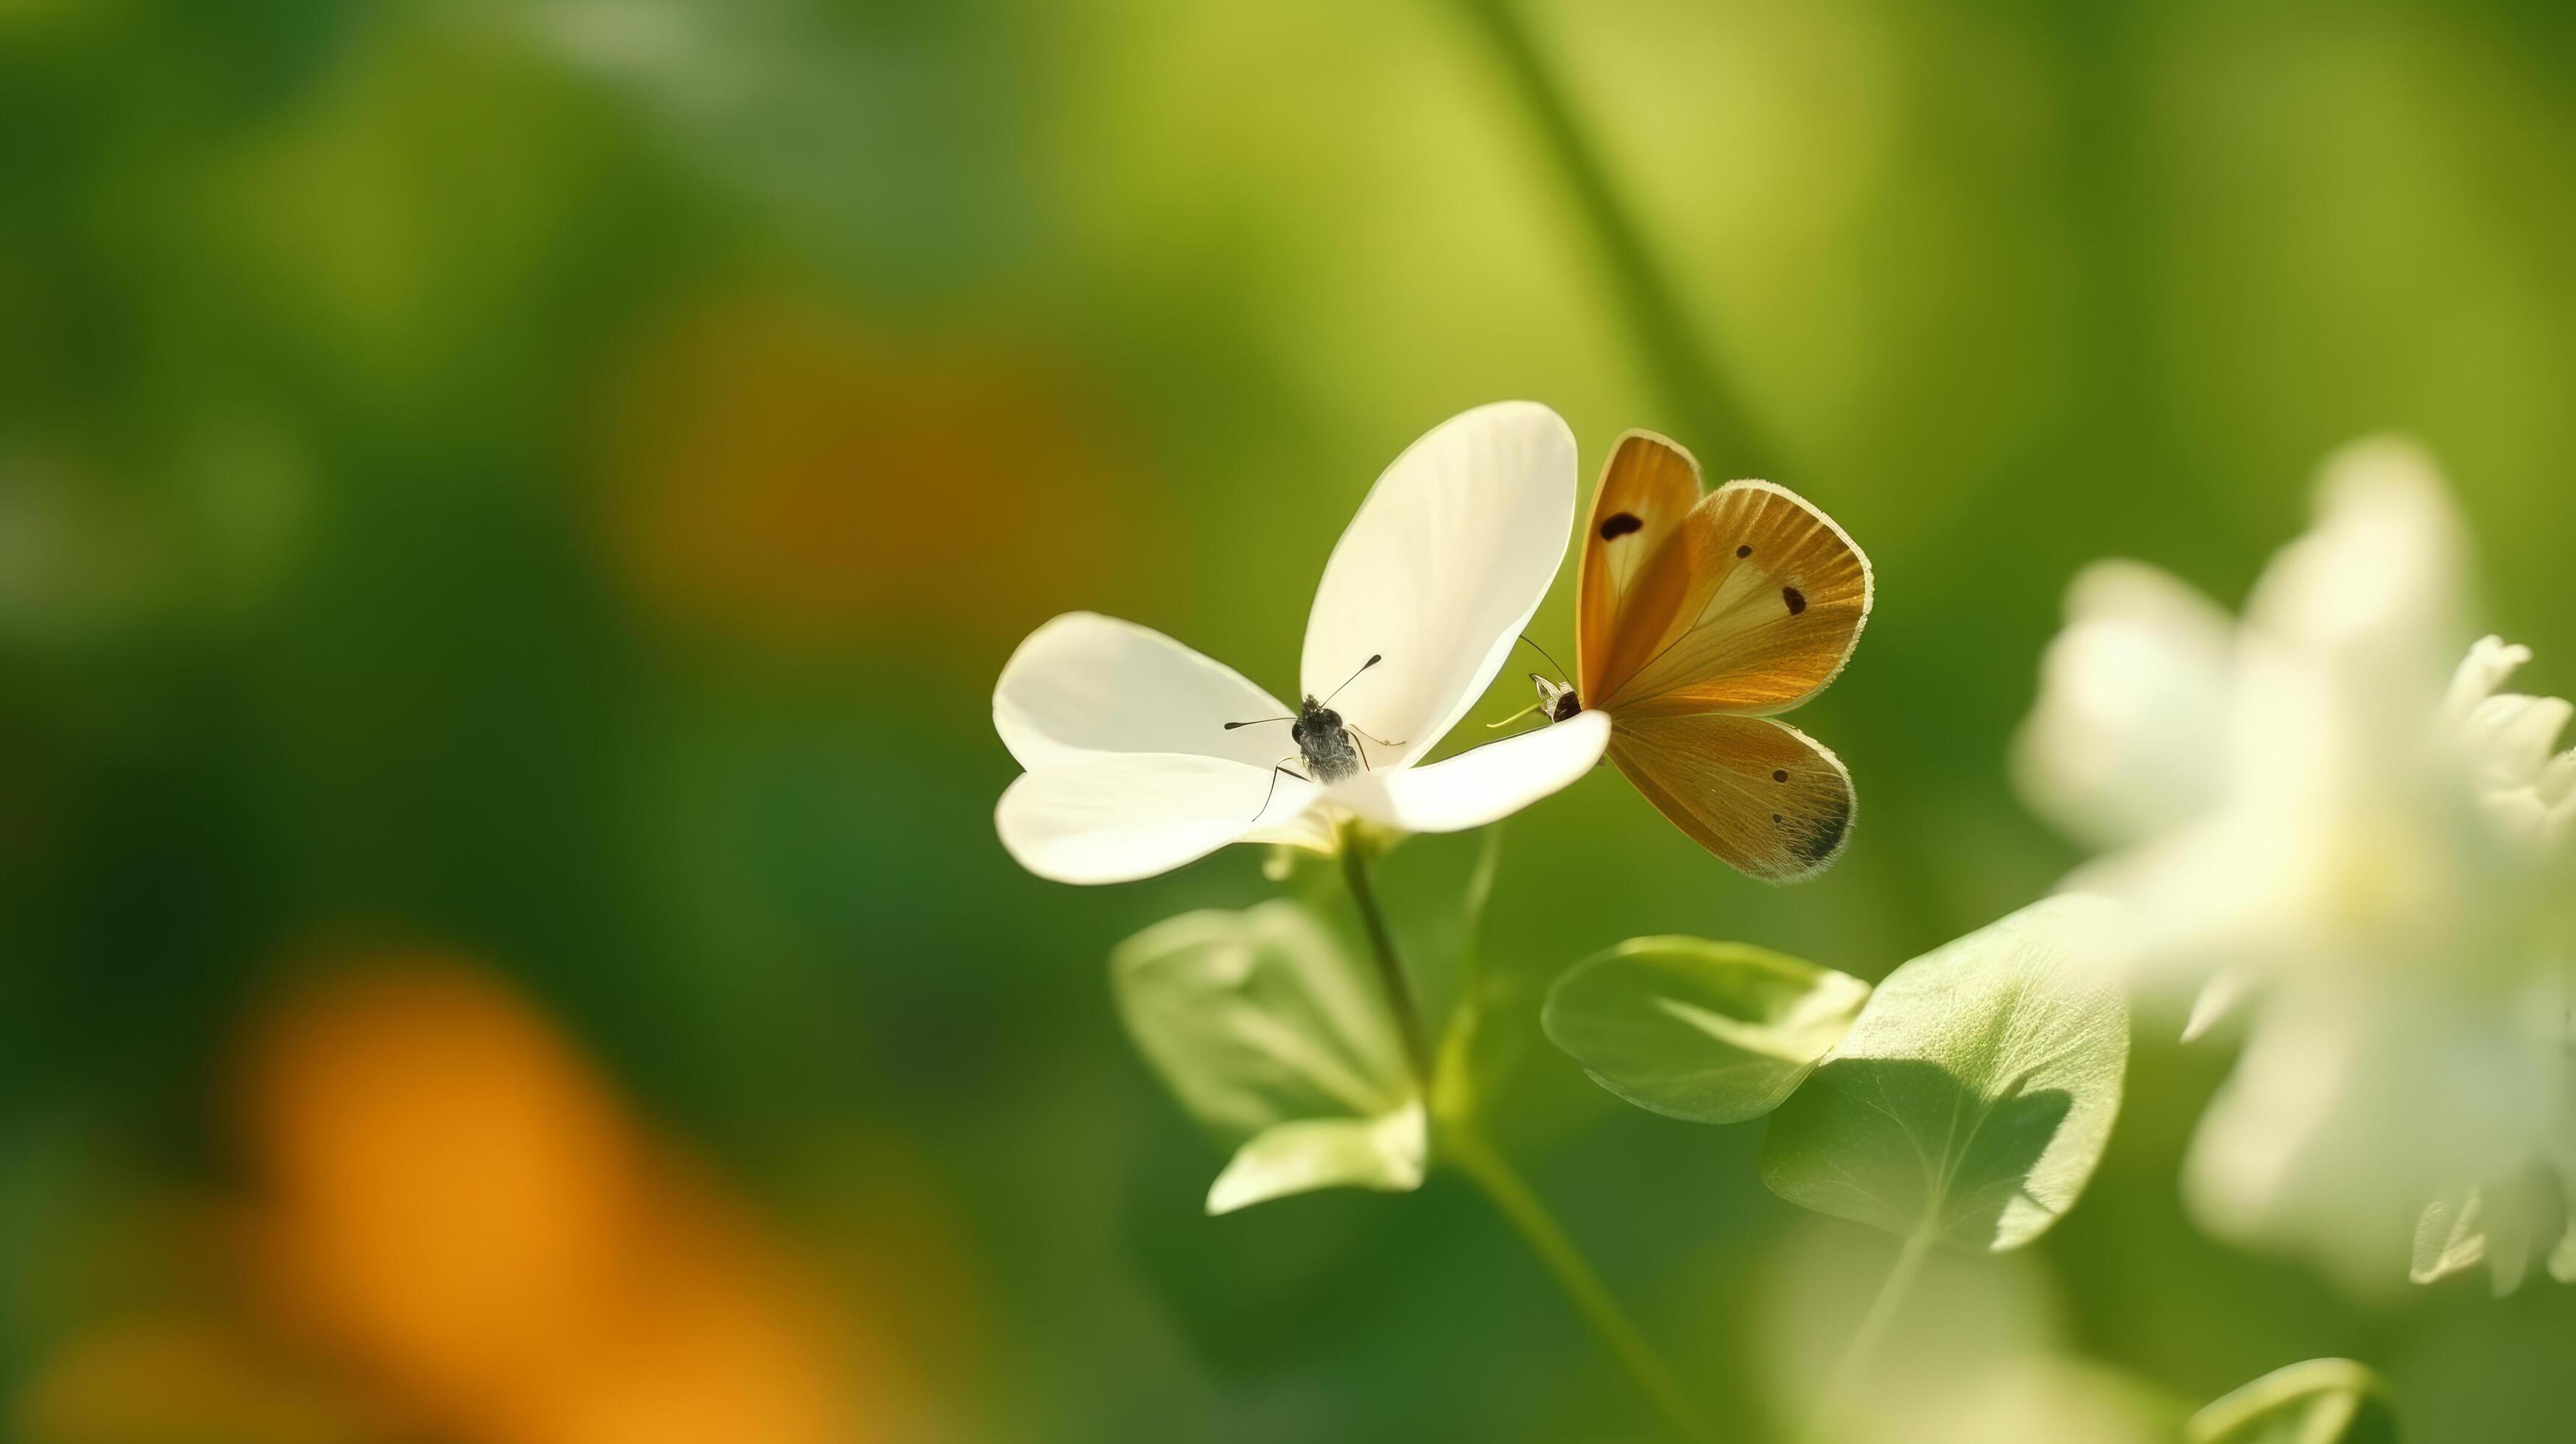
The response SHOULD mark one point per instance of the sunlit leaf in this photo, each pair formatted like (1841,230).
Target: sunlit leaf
(2320,1401)
(1268,1031)
(1384,1153)
(1972,1098)
(1701,1031)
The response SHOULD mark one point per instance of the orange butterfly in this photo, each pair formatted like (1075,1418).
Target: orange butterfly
(1697,617)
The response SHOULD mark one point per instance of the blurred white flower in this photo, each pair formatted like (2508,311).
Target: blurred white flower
(2315,831)
(1133,770)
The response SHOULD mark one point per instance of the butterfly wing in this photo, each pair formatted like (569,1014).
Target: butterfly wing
(1696,615)
(1647,487)
(1761,598)
(1768,799)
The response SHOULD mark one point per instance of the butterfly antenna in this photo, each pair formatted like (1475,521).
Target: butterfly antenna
(1542,651)
(1374,659)
(1257,721)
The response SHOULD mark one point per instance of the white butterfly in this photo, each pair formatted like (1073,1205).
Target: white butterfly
(1133,768)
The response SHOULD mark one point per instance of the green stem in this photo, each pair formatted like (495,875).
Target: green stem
(1573,1273)
(1873,1328)
(1461,1143)
(1693,384)
(1390,967)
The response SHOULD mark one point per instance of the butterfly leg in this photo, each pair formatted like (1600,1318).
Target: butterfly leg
(1357,734)
(1276,769)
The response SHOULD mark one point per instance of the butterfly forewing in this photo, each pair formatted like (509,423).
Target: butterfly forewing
(1647,487)
(1769,800)
(1771,597)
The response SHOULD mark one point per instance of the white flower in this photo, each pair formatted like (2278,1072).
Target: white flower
(1132,770)
(2314,831)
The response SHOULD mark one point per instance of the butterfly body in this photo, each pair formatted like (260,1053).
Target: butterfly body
(1329,746)
(1700,615)
(1556,701)
(1320,734)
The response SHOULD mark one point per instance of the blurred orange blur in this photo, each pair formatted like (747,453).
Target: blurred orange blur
(459,1233)
(778,474)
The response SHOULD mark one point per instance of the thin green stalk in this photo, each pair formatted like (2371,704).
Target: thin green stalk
(1574,1274)
(1390,966)
(1714,420)
(1873,1328)
(1461,1143)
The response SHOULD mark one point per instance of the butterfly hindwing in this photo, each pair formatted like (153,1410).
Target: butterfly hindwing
(1763,796)
(1769,600)
(1648,486)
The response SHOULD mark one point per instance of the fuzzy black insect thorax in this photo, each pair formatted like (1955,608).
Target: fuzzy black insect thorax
(1326,742)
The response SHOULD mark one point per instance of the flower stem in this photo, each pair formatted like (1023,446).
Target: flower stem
(1461,1142)
(1390,966)
(1573,1273)
(1873,1328)
(1692,383)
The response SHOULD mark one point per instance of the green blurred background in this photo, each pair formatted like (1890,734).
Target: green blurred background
(510,515)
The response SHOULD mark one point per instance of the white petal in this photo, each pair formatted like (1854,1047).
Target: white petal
(2521,820)
(2509,737)
(2128,736)
(2377,586)
(2557,782)
(2504,740)
(2234,890)
(2219,997)
(2489,662)
(1120,816)
(2348,1109)
(1311,829)
(1440,570)
(1481,786)
(1085,684)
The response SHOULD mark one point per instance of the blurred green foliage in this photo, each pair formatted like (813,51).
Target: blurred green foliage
(557,480)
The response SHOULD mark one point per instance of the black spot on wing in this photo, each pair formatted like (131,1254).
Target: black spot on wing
(1620,525)
(1779,774)
(1824,832)
(1745,550)
(1796,599)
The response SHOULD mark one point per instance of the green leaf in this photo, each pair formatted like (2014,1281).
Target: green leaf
(1384,1153)
(1265,1028)
(1701,1031)
(1972,1098)
(2321,1401)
